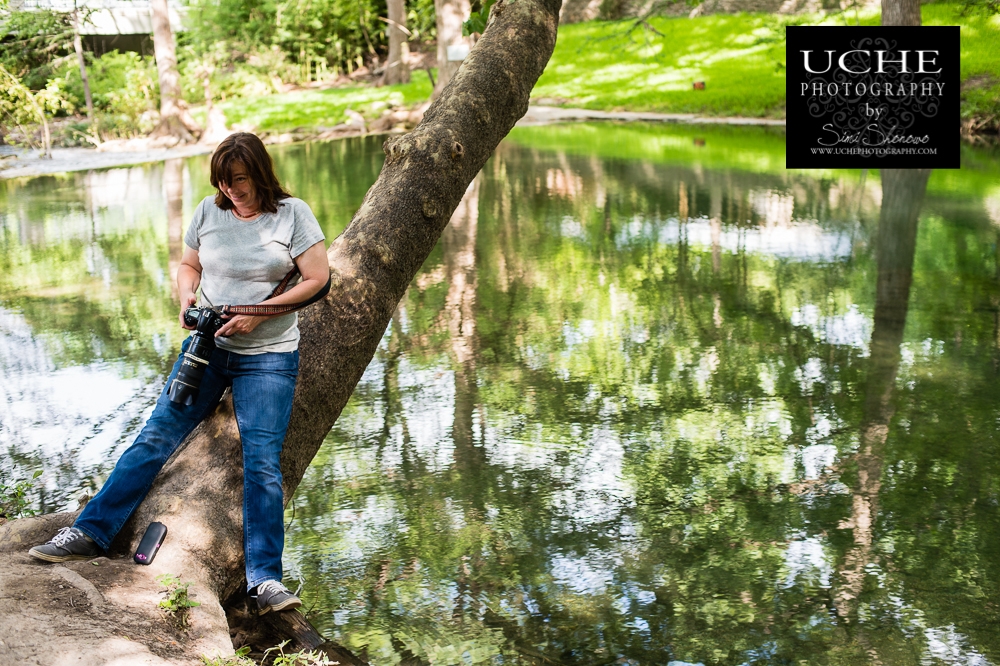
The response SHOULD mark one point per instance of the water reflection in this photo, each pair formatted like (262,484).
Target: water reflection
(902,196)
(645,402)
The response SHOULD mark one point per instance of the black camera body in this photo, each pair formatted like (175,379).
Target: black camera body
(206,322)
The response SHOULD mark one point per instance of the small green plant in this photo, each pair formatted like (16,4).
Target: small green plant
(304,658)
(238,659)
(14,501)
(177,603)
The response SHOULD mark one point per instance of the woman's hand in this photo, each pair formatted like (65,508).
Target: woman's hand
(239,325)
(186,302)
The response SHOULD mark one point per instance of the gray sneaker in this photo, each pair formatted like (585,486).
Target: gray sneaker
(273,596)
(68,544)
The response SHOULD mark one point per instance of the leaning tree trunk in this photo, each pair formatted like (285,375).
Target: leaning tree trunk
(97,614)
(450,16)
(175,121)
(396,68)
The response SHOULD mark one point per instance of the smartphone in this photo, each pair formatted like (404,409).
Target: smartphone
(150,543)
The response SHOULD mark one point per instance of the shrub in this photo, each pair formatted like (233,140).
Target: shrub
(14,501)
(125,90)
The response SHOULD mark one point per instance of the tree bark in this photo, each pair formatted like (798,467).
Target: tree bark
(175,122)
(450,16)
(198,495)
(396,69)
(78,47)
(900,12)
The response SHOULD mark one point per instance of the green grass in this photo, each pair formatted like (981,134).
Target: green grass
(980,65)
(608,66)
(322,108)
(602,65)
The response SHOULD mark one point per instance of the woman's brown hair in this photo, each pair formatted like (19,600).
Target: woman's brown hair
(246,149)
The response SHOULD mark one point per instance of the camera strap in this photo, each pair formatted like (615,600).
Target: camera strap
(270,310)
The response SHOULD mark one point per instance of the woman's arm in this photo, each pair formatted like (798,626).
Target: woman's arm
(315,270)
(188,279)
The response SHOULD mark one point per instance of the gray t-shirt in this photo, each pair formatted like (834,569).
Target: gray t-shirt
(242,263)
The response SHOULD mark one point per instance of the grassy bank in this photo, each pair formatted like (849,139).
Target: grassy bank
(741,59)
(322,108)
(620,66)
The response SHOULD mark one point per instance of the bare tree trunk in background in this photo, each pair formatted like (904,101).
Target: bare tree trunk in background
(900,12)
(902,196)
(199,493)
(78,47)
(396,69)
(450,16)
(175,121)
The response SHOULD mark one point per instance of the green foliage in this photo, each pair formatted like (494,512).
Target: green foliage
(125,90)
(293,40)
(35,44)
(478,20)
(177,603)
(14,502)
(21,109)
(985,7)
(231,72)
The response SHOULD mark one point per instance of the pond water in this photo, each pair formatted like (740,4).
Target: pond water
(653,399)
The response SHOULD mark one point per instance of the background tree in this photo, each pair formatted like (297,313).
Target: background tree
(81,62)
(396,68)
(900,12)
(450,15)
(175,121)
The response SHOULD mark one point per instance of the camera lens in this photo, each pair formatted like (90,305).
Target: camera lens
(184,388)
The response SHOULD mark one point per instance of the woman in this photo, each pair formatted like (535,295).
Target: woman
(241,243)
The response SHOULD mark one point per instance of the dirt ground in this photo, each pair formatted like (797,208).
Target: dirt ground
(94,611)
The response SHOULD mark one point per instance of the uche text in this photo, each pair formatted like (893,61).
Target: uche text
(881,61)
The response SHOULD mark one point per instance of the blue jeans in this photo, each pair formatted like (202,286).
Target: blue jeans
(263,387)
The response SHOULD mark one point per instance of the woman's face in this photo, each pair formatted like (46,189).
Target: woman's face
(241,191)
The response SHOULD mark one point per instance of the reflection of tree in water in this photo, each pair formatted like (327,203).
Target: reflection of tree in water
(902,197)
(629,309)
(173,184)
(89,284)
(89,302)
(480,554)
(586,433)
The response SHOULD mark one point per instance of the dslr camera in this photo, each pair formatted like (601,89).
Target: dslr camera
(206,322)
